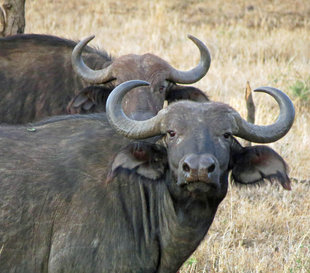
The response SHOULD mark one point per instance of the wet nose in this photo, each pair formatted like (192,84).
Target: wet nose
(198,167)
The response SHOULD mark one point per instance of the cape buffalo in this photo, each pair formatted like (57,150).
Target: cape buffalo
(73,200)
(37,79)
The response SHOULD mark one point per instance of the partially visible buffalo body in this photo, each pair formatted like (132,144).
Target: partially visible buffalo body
(38,79)
(76,197)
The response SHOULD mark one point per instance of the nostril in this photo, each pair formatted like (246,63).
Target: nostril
(211,168)
(186,168)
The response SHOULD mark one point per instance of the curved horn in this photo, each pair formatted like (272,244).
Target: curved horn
(124,125)
(88,74)
(273,132)
(199,71)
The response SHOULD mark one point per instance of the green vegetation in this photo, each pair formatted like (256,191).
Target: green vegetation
(301,90)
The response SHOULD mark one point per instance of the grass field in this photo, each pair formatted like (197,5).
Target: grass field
(265,42)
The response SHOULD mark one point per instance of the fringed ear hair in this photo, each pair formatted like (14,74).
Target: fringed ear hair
(143,158)
(252,165)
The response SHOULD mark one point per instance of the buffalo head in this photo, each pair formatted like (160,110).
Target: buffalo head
(200,143)
(145,102)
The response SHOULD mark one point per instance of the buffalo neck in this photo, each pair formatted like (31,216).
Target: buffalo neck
(160,227)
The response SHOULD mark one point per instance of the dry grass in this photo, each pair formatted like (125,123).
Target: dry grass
(265,42)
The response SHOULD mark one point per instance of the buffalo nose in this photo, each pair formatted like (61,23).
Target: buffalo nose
(198,167)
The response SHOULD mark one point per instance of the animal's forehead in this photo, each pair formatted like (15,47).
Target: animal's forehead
(191,113)
(141,61)
(146,67)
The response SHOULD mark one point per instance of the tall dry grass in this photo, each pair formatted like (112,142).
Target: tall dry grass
(266,42)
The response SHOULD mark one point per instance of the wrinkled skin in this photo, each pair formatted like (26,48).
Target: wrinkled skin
(37,80)
(76,199)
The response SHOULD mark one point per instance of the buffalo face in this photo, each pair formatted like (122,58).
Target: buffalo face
(200,145)
(144,102)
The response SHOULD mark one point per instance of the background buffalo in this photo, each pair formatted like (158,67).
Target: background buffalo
(37,79)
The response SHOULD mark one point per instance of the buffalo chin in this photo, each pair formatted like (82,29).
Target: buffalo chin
(199,187)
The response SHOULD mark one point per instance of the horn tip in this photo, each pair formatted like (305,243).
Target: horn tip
(191,37)
(140,82)
(88,39)
(133,84)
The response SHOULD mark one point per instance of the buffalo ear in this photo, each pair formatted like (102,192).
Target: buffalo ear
(143,158)
(89,100)
(252,165)
(178,92)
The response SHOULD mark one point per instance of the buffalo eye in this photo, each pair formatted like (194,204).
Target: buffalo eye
(171,133)
(227,135)
(161,89)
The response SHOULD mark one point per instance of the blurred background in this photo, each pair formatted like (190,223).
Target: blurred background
(265,42)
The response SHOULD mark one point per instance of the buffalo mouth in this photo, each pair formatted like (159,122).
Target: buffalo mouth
(201,187)
(198,186)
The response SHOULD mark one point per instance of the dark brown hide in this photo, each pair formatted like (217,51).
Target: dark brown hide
(90,99)
(37,80)
(36,76)
(143,102)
